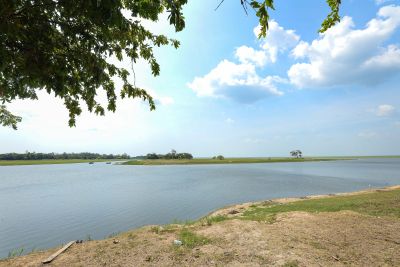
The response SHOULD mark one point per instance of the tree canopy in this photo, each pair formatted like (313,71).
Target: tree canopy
(63,47)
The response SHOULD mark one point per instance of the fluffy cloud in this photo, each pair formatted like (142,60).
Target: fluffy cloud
(240,81)
(249,55)
(344,55)
(237,81)
(385,110)
(278,40)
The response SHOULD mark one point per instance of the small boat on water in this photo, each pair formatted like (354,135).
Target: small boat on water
(108,162)
(91,162)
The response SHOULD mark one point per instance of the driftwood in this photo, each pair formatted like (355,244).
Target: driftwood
(53,256)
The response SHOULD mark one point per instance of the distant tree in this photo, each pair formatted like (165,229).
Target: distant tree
(170,155)
(152,156)
(296,153)
(220,157)
(299,153)
(184,156)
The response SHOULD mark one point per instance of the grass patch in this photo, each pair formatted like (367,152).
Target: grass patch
(210,220)
(294,263)
(385,203)
(191,240)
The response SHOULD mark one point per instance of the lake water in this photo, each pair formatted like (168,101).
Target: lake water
(46,205)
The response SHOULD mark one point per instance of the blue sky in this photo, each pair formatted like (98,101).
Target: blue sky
(226,92)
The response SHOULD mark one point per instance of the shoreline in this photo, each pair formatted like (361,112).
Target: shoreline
(201,161)
(228,215)
(195,161)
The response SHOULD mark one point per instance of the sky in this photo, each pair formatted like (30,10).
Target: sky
(224,91)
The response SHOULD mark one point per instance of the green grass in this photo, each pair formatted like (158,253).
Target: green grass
(385,203)
(215,219)
(217,161)
(191,240)
(48,161)
(291,264)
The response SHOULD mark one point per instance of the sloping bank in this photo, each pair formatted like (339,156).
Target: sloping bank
(359,229)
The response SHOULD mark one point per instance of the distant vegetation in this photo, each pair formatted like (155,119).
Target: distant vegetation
(296,153)
(220,157)
(55,156)
(171,155)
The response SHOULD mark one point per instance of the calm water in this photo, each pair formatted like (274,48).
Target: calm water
(46,205)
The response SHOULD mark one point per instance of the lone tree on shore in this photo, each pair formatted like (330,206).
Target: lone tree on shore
(63,48)
(296,154)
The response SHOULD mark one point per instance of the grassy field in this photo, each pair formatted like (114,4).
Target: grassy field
(48,161)
(217,161)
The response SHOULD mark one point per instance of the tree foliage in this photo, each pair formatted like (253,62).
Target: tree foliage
(296,153)
(171,155)
(63,47)
(7,118)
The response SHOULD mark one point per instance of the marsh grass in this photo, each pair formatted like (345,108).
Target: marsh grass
(210,220)
(191,240)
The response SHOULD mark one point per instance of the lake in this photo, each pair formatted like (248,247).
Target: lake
(42,206)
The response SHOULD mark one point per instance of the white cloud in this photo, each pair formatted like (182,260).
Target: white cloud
(247,55)
(240,81)
(237,81)
(344,55)
(278,40)
(385,110)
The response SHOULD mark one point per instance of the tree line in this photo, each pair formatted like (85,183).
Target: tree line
(39,156)
(171,155)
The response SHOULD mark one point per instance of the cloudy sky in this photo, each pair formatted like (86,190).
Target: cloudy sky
(226,92)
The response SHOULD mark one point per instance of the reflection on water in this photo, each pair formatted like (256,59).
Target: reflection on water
(45,205)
